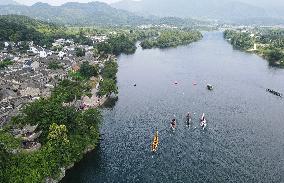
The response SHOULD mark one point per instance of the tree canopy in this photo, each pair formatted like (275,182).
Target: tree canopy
(87,71)
(171,38)
(107,87)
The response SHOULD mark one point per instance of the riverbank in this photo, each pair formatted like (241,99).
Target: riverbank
(92,102)
(268,44)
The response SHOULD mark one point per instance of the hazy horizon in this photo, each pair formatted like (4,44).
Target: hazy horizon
(60,2)
(261,3)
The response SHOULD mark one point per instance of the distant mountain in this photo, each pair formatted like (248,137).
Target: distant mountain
(76,13)
(94,13)
(225,10)
(8,2)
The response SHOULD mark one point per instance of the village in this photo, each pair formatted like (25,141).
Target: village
(33,74)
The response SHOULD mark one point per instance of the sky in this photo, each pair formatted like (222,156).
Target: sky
(261,3)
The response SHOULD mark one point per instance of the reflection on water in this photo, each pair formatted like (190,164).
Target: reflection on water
(244,141)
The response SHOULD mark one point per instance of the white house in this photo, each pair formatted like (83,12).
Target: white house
(35,65)
(33,50)
(42,54)
(6,44)
(34,92)
(99,39)
(16,59)
(61,54)
(49,53)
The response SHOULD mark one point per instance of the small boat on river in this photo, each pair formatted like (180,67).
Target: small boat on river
(274,92)
(155,143)
(209,87)
(203,122)
(173,124)
(188,119)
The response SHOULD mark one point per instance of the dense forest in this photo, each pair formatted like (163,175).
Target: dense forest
(268,43)
(20,28)
(16,28)
(125,41)
(171,38)
(117,45)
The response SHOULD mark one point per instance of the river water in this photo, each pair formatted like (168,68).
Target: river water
(244,141)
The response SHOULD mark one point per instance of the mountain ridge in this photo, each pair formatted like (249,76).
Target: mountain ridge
(75,13)
(92,13)
(224,10)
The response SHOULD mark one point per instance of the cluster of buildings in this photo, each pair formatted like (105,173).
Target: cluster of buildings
(148,26)
(30,76)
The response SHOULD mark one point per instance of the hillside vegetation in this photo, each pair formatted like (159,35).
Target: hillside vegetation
(76,13)
(21,28)
(89,14)
(171,38)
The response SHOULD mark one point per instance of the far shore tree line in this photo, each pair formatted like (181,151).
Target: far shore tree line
(269,43)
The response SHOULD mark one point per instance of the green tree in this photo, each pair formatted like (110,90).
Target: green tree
(117,44)
(104,48)
(87,70)
(107,87)
(2,45)
(16,37)
(80,52)
(274,55)
(171,38)
(68,91)
(23,46)
(54,64)
(87,119)
(4,162)
(5,63)
(110,69)
(57,135)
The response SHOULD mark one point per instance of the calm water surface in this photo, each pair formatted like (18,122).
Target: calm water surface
(244,141)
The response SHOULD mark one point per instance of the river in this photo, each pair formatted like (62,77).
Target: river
(244,141)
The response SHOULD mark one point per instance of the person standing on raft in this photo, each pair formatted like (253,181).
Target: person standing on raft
(203,122)
(173,124)
(188,119)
